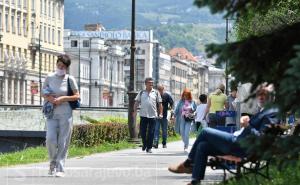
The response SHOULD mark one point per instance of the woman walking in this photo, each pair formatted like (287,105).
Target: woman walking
(59,122)
(183,113)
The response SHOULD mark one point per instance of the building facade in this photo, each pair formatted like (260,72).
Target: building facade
(187,72)
(216,77)
(101,73)
(31,38)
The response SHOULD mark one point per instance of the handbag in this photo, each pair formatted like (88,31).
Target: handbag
(189,117)
(48,109)
(73,104)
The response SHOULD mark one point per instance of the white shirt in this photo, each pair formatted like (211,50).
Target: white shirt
(200,111)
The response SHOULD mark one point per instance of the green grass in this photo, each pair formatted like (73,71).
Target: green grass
(39,154)
(287,176)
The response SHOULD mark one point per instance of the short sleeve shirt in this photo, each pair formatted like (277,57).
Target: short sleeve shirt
(59,87)
(217,102)
(148,103)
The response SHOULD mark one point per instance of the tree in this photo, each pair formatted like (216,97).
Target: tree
(268,49)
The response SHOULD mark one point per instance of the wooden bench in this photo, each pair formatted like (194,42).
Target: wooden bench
(249,165)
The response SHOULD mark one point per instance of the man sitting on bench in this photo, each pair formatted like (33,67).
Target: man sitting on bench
(212,142)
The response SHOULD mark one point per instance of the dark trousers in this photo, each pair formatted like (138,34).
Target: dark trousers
(211,142)
(147,126)
(214,120)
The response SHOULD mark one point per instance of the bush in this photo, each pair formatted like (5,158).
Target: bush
(95,134)
(108,129)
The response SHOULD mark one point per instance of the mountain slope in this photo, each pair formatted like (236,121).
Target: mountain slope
(176,23)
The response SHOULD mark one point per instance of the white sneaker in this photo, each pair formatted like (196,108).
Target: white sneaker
(60,174)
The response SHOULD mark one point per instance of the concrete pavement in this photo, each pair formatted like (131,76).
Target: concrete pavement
(126,167)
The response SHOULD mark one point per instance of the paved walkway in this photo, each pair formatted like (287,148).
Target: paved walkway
(126,167)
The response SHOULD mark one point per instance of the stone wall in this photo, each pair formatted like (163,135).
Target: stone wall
(32,119)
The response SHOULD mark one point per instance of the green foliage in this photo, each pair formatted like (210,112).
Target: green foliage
(288,176)
(116,14)
(268,33)
(107,119)
(193,37)
(278,16)
(98,133)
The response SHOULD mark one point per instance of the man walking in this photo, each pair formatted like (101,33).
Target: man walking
(148,99)
(167,102)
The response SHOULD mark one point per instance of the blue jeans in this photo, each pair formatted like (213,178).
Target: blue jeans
(164,127)
(185,128)
(147,126)
(211,142)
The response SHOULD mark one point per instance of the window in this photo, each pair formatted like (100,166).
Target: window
(53,10)
(6,23)
(74,43)
(45,7)
(19,3)
(19,24)
(86,43)
(24,25)
(49,8)
(49,34)
(59,11)
(41,7)
(41,32)
(32,30)
(53,36)
(32,5)
(1,29)
(24,4)
(45,34)
(58,37)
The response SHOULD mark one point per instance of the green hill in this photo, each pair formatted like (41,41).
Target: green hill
(166,17)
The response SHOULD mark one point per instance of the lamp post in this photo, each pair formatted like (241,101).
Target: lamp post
(40,66)
(111,79)
(131,89)
(79,63)
(226,62)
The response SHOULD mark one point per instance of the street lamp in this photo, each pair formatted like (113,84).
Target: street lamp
(79,63)
(111,78)
(226,62)
(131,90)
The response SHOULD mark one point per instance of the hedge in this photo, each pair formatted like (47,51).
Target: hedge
(98,132)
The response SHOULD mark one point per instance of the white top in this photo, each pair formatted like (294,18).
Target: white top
(200,111)
(59,86)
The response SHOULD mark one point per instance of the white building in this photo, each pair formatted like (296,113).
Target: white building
(101,72)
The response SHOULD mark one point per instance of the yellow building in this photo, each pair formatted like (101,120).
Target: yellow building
(31,33)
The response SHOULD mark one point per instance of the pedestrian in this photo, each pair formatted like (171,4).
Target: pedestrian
(167,103)
(150,108)
(184,110)
(59,123)
(230,100)
(213,142)
(200,112)
(216,102)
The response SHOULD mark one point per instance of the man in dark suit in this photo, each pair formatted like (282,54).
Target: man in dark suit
(213,142)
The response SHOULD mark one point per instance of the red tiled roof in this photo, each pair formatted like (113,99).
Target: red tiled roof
(182,53)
